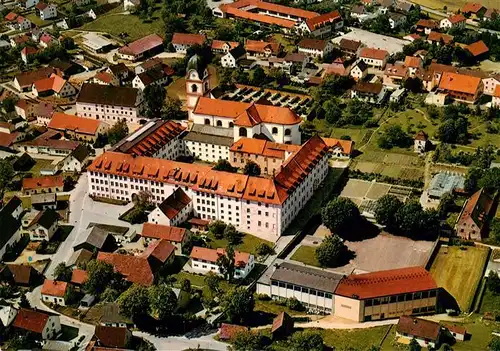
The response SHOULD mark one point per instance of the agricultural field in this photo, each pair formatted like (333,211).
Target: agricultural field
(453,5)
(459,271)
(392,164)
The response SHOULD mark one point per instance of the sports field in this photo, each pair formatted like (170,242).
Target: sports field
(459,271)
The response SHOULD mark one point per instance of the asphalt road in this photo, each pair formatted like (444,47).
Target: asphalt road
(178,343)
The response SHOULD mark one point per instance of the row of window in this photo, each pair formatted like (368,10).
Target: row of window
(299,288)
(400,298)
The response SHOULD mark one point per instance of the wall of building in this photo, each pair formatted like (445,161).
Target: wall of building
(207,152)
(203,267)
(52,328)
(107,113)
(53,299)
(14,238)
(314,300)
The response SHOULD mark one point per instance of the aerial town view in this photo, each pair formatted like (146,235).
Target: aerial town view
(276,175)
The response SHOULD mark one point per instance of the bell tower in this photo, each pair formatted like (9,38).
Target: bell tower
(197,82)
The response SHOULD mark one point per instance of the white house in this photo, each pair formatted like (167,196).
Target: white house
(420,142)
(27,53)
(54,292)
(44,225)
(27,4)
(496,97)
(76,160)
(176,209)
(10,224)
(204,260)
(315,47)
(46,11)
(320,26)
(130,5)
(183,41)
(374,57)
(54,85)
(396,19)
(7,314)
(45,324)
(426,333)
(490,84)
(359,70)
(150,77)
(231,58)
(453,21)
(17,22)
(174,235)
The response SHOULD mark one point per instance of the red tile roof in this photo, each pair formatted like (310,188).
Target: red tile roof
(459,82)
(62,122)
(7,139)
(268,6)
(104,76)
(372,53)
(262,46)
(256,17)
(26,79)
(478,208)
(158,231)
(29,50)
(438,37)
(79,276)
(142,45)
(43,182)
(457,329)
(347,146)
(112,336)
(419,328)
(135,269)
(188,39)
(263,148)
(228,331)
(427,23)
(246,114)
(20,273)
(386,283)
(50,139)
(421,136)
(314,44)
(33,321)
(413,61)
(175,203)
(211,255)
(54,83)
(159,249)
(219,44)
(497,91)
(477,48)
(321,20)
(11,16)
(454,19)
(54,288)
(41,6)
(46,38)
(472,7)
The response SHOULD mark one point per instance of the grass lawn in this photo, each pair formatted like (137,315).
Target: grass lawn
(198,281)
(459,272)
(490,302)
(307,255)
(274,308)
(135,27)
(33,17)
(249,243)
(359,135)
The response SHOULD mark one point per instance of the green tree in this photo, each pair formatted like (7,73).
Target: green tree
(394,136)
(110,295)
(186,285)
(493,282)
(251,169)
(494,344)
(385,210)
(98,273)
(162,301)
(258,76)
(331,252)
(472,179)
(172,109)
(263,249)
(238,304)
(414,345)
(226,263)
(9,104)
(232,235)
(217,228)
(339,214)
(134,302)
(154,99)
(247,340)
(63,272)
(212,280)
(6,174)
(446,204)
(495,230)
(117,132)
(333,113)
(306,340)
(224,165)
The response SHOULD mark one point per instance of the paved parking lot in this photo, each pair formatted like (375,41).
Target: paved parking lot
(373,40)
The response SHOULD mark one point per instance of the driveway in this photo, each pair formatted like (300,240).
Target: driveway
(177,343)
(84,329)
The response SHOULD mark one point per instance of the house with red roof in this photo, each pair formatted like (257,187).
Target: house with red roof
(45,324)
(46,11)
(478,49)
(174,210)
(44,184)
(496,96)
(454,21)
(134,269)
(77,128)
(339,148)
(222,46)
(204,260)
(228,331)
(439,38)
(105,78)
(159,253)
(426,333)
(183,41)
(54,292)
(386,294)
(461,87)
(78,277)
(373,57)
(315,47)
(474,10)
(261,49)
(27,53)
(139,49)
(421,142)
(475,215)
(321,26)
(17,22)
(426,25)
(54,85)
(109,338)
(176,236)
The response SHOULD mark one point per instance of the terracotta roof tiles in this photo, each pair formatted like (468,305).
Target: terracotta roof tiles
(188,39)
(454,19)
(472,7)
(262,46)
(142,45)
(419,328)
(54,288)
(478,48)
(159,249)
(459,82)
(33,321)
(135,269)
(43,182)
(373,53)
(158,231)
(228,331)
(211,255)
(347,146)
(62,122)
(79,276)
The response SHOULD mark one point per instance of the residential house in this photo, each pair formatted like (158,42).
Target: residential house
(496,97)
(77,128)
(135,269)
(350,47)
(208,143)
(17,22)
(338,148)
(44,184)
(321,26)
(80,257)
(44,201)
(174,210)
(315,47)
(109,103)
(46,11)
(112,316)
(174,235)
(369,92)
(454,21)
(7,314)
(414,64)
(294,62)
(396,19)
(358,11)
(395,74)
(458,332)
(76,160)
(374,57)
(490,14)
(473,10)
(54,292)
(473,220)
(377,295)
(426,26)
(478,49)
(27,54)
(359,70)
(141,48)
(27,4)
(159,254)
(421,142)
(204,260)
(47,40)
(282,326)
(404,6)
(20,274)
(96,238)
(120,71)
(25,108)
(43,111)
(23,82)
(150,64)
(412,37)
(105,78)
(461,87)
(112,337)
(490,84)
(233,56)
(19,40)
(223,47)
(160,76)
(44,225)
(78,277)
(54,85)
(439,38)
(261,49)
(119,233)
(183,41)
(10,224)
(44,324)
(426,333)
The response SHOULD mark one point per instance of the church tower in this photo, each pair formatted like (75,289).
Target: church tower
(197,82)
